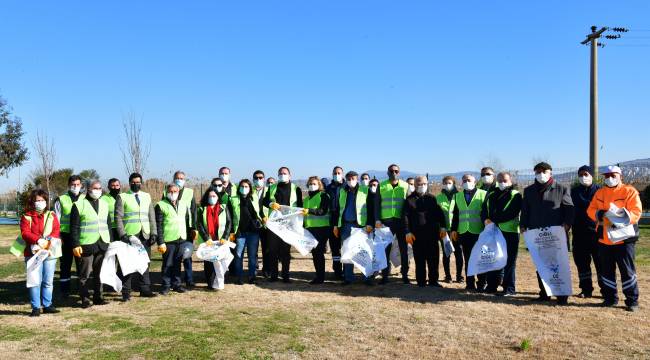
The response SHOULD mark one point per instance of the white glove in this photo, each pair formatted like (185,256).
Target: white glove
(35,248)
(42,243)
(135,241)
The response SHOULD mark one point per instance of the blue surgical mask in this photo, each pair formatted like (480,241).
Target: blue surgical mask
(180,183)
(212,200)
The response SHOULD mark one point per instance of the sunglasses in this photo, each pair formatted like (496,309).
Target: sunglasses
(394,171)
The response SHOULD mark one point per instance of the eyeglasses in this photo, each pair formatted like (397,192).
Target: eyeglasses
(259,177)
(394,171)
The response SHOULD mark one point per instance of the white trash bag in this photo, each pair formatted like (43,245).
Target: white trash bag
(357,250)
(447,246)
(395,257)
(548,248)
(220,256)
(489,253)
(287,224)
(381,239)
(131,258)
(34,268)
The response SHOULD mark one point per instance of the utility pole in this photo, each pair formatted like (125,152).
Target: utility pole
(592,39)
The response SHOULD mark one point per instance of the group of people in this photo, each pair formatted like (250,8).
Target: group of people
(88,222)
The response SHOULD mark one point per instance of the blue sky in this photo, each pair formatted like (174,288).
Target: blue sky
(436,87)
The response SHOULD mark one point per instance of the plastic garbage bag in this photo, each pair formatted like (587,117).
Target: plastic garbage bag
(34,268)
(548,248)
(286,223)
(447,246)
(357,250)
(489,253)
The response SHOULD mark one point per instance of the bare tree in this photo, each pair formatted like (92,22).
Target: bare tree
(493,161)
(46,154)
(135,152)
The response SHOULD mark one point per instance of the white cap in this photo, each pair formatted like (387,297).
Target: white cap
(611,169)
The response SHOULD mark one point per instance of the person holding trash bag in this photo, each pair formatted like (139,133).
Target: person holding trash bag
(282,193)
(425,225)
(502,207)
(245,231)
(616,242)
(172,225)
(392,193)
(37,226)
(62,208)
(136,224)
(585,238)
(317,222)
(353,213)
(467,224)
(90,234)
(546,203)
(214,222)
(446,202)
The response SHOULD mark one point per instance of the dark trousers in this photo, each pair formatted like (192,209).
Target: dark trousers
(189,274)
(426,253)
(621,256)
(458,256)
(265,249)
(208,271)
(65,267)
(318,253)
(542,291)
(585,250)
(143,280)
(335,248)
(90,263)
(506,276)
(397,228)
(278,251)
(467,241)
(171,265)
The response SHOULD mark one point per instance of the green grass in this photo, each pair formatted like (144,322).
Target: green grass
(643,246)
(525,345)
(9,231)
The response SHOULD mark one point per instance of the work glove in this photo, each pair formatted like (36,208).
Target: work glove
(265,219)
(305,212)
(378,224)
(232,237)
(487,222)
(454,235)
(209,242)
(368,229)
(162,248)
(43,244)
(193,234)
(222,241)
(335,230)
(77,251)
(275,206)
(443,233)
(410,238)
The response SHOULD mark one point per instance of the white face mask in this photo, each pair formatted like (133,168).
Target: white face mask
(449,186)
(96,194)
(373,189)
(313,187)
(352,184)
(224,177)
(284,178)
(503,186)
(611,181)
(244,190)
(172,196)
(469,185)
(488,179)
(180,182)
(365,182)
(40,205)
(586,180)
(411,188)
(337,177)
(219,188)
(543,177)
(75,189)
(258,182)
(422,189)
(212,200)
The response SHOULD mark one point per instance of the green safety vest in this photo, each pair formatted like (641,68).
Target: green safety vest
(312,221)
(93,225)
(174,226)
(136,217)
(511,226)
(362,211)
(66,206)
(18,246)
(469,217)
(233,190)
(110,201)
(222,223)
(256,200)
(187,195)
(235,201)
(392,199)
(447,207)
(293,200)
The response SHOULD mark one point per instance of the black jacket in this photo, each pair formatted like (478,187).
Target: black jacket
(333,189)
(552,207)
(422,214)
(581,197)
(497,213)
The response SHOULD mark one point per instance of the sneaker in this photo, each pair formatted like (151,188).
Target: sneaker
(35,313)
(584,295)
(50,310)
(632,308)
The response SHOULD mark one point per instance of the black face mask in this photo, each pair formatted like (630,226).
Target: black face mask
(114,192)
(135,187)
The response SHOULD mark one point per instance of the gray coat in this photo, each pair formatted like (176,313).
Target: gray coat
(553,207)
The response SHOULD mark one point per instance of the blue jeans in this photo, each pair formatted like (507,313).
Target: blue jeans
(250,240)
(348,269)
(36,294)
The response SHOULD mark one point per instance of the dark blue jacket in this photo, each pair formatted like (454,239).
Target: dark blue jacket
(581,196)
(333,189)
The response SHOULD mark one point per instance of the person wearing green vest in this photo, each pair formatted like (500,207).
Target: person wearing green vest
(217,185)
(136,224)
(172,225)
(317,222)
(114,189)
(38,226)
(186,197)
(259,192)
(229,187)
(283,193)
(503,207)
(90,233)
(466,225)
(245,231)
(353,213)
(62,208)
(446,201)
(392,194)
(214,222)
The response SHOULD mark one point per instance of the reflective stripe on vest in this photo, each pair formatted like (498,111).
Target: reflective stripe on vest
(314,220)
(469,217)
(511,226)
(93,225)
(362,211)
(222,223)
(174,226)
(293,200)
(392,199)
(18,246)
(66,207)
(136,217)
(447,207)
(110,201)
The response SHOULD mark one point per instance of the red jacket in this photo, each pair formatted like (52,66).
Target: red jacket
(31,233)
